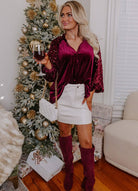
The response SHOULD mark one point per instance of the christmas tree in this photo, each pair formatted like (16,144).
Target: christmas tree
(41,26)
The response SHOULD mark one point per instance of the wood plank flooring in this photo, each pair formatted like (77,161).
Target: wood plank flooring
(108,178)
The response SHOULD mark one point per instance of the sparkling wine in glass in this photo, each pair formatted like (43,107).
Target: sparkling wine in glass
(39,54)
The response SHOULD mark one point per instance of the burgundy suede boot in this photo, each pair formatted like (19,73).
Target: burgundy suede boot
(87,157)
(66,148)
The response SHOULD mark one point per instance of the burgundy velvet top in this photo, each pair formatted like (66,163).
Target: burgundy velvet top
(74,67)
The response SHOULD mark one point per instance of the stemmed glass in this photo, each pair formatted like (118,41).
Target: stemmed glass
(39,54)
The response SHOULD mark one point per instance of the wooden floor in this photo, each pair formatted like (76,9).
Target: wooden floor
(108,178)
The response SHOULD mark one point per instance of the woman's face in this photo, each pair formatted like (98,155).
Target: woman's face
(67,21)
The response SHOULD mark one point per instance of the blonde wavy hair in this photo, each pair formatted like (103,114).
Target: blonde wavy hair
(79,16)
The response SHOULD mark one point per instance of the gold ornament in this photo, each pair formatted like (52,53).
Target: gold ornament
(39,135)
(25,63)
(44,13)
(32,43)
(22,40)
(48,46)
(19,87)
(26,89)
(34,76)
(50,84)
(53,6)
(56,30)
(31,14)
(24,109)
(31,114)
(45,25)
(24,30)
(35,3)
(45,123)
(23,120)
(30,1)
(25,72)
(32,96)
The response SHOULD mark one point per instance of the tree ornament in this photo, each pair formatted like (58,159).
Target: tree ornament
(24,109)
(32,43)
(30,1)
(19,48)
(24,30)
(38,4)
(23,120)
(31,14)
(53,6)
(45,25)
(56,31)
(19,87)
(34,76)
(48,46)
(44,13)
(32,96)
(31,114)
(25,63)
(45,123)
(34,29)
(22,40)
(25,53)
(50,84)
(26,89)
(39,136)
(25,72)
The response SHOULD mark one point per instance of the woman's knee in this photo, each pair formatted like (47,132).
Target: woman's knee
(65,129)
(86,143)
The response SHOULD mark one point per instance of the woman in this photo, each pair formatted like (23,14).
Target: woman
(76,57)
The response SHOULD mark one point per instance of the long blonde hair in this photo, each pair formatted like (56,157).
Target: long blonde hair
(79,16)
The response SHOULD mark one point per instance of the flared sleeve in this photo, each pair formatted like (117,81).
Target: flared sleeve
(97,75)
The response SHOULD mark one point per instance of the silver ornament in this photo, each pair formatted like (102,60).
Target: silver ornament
(24,30)
(34,29)
(20,48)
(25,72)
(24,109)
(45,123)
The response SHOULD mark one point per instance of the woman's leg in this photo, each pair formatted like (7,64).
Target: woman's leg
(65,141)
(87,155)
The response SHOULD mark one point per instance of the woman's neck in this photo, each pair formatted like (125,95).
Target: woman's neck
(72,34)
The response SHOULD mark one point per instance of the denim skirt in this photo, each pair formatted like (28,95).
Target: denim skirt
(70,107)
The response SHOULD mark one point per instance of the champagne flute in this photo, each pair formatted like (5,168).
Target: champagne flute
(39,54)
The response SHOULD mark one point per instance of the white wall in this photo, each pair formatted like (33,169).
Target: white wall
(11,20)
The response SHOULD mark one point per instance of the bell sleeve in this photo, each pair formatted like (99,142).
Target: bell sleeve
(97,75)
(53,57)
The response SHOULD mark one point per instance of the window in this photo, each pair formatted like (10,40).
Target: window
(126,67)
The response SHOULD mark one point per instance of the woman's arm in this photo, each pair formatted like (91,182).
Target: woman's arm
(97,75)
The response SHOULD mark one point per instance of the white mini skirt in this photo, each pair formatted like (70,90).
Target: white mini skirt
(70,107)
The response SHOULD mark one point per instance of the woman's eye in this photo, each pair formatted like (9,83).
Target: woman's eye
(62,15)
(69,15)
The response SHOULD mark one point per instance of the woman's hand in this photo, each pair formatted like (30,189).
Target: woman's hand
(89,100)
(45,62)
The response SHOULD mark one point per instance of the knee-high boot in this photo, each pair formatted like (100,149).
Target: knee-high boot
(87,157)
(66,148)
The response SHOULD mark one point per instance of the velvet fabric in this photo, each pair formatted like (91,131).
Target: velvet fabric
(74,67)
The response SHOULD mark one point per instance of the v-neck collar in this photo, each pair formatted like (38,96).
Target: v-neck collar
(71,46)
